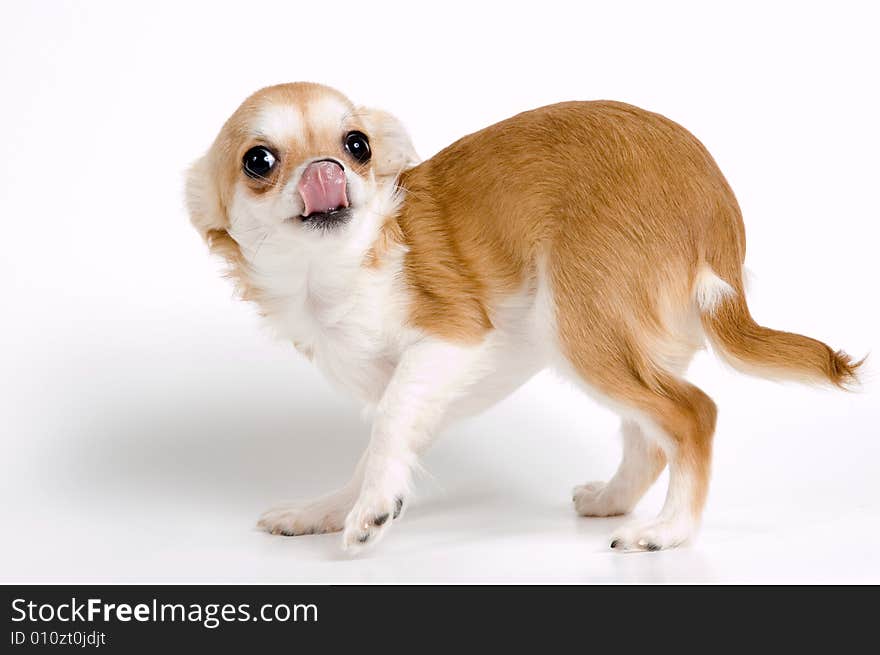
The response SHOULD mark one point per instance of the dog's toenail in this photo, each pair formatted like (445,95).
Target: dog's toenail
(364,538)
(652,547)
(615,543)
(379,520)
(398,506)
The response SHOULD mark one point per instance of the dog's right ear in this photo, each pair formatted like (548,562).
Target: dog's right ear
(206,210)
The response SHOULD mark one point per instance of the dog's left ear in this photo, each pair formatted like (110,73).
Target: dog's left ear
(392,148)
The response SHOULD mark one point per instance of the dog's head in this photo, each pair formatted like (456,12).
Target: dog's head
(298,163)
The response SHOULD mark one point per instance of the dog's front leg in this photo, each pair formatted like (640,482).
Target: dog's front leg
(430,375)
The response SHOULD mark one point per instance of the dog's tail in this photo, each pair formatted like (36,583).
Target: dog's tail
(756,350)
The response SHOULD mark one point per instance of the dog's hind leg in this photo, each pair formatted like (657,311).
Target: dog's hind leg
(675,422)
(630,356)
(643,460)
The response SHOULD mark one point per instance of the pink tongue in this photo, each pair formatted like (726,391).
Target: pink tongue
(322,187)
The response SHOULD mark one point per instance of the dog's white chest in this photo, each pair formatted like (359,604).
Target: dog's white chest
(355,354)
(346,322)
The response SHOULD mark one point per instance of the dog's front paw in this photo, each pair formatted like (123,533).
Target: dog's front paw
(659,534)
(325,514)
(370,519)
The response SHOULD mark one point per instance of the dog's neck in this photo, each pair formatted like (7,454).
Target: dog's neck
(322,294)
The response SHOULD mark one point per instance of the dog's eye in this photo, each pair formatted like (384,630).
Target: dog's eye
(258,162)
(358,146)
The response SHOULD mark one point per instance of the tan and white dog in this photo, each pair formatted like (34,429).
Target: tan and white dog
(592,237)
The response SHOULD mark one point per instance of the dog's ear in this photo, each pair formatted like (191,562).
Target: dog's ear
(392,148)
(203,200)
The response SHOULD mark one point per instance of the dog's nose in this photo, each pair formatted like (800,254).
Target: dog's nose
(323,187)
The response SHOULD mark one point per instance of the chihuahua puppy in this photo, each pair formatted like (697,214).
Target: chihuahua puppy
(595,238)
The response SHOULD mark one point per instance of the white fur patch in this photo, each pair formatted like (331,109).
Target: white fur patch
(280,123)
(327,114)
(710,290)
(320,295)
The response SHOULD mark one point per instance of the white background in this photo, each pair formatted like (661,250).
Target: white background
(147,418)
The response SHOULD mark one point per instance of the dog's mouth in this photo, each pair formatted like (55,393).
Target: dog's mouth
(324,192)
(327,219)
